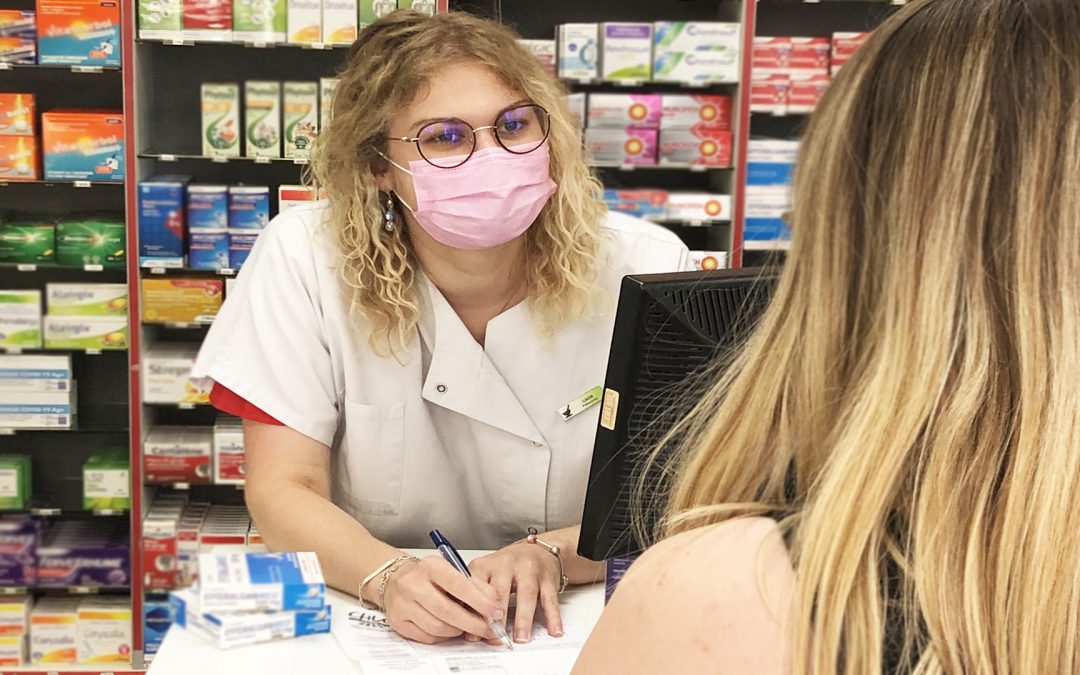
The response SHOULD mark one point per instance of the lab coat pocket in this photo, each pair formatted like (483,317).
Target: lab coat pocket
(376,456)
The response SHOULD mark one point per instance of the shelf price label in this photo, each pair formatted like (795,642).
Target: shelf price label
(26,267)
(167,158)
(94,268)
(82,184)
(5,66)
(262,160)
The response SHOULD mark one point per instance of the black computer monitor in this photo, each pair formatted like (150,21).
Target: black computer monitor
(669,330)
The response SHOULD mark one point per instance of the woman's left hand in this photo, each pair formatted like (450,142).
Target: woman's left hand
(533,573)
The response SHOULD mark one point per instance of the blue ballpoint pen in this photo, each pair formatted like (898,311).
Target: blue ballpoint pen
(451,555)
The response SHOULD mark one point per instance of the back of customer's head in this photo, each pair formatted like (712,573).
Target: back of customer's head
(911,400)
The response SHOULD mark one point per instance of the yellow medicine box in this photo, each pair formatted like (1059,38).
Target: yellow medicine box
(181,300)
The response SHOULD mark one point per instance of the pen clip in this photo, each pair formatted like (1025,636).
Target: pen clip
(443,544)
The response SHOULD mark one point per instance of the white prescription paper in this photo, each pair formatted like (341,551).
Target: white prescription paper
(366,639)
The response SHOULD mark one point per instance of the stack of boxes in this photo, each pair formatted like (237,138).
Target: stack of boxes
(196,455)
(14,629)
(697,53)
(791,74)
(62,32)
(73,241)
(669,129)
(167,375)
(20,319)
(86,316)
(315,22)
(36,392)
(18,140)
(693,208)
(771,164)
(92,553)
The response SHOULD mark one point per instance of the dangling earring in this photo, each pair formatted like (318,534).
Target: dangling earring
(388,215)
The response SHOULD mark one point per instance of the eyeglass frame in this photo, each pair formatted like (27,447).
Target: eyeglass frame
(416,140)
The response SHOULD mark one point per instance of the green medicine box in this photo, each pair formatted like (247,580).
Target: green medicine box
(14,482)
(107,481)
(91,241)
(27,243)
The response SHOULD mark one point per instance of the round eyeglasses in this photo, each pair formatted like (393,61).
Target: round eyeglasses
(449,143)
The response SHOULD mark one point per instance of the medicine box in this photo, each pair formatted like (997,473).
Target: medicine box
(373,10)
(15,615)
(262,115)
(843,48)
(807,90)
(648,204)
(93,553)
(766,212)
(15,492)
(260,582)
(301,115)
(304,22)
(17,114)
(810,53)
(181,300)
(107,481)
(546,52)
(18,538)
(54,630)
(179,454)
(25,372)
(224,526)
(620,111)
(429,7)
(86,332)
(327,87)
(208,20)
(579,51)
(83,145)
(769,93)
(18,158)
(104,630)
(220,119)
(86,299)
(227,630)
(37,409)
(618,147)
(167,379)
(705,261)
(187,537)
(79,32)
(12,650)
(159,549)
(340,19)
(260,21)
(577,103)
(229,452)
(684,111)
(254,537)
(626,51)
(157,619)
(162,218)
(294,195)
(161,19)
(207,207)
(241,243)
(18,36)
(20,319)
(772,56)
(249,207)
(91,241)
(208,249)
(697,207)
(696,147)
(27,242)
(697,52)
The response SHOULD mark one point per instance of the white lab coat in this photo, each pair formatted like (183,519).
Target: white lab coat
(449,435)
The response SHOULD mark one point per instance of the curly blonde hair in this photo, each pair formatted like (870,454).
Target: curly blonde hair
(390,61)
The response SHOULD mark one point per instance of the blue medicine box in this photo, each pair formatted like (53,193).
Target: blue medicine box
(249,207)
(208,207)
(162,221)
(208,249)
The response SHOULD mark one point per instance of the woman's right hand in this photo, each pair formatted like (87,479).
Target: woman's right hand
(429,601)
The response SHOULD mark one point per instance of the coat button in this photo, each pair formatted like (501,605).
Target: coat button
(441,388)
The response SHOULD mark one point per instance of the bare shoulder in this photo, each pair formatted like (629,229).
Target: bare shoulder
(709,600)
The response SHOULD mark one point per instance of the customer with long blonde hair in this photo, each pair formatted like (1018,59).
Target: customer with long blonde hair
(909,407)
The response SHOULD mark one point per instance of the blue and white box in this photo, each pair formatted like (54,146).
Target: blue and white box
(240,244)
(157,618)
(249,207)
(260,582)
(579,48)
(162,221)
(208,249)
(208,207)
(26,372)
(226,630)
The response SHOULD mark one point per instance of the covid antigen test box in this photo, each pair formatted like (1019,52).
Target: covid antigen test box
(161,19)
(626,51)
(260,21)
(24,372)
(697,52)
(262,112)
(579,51)
(83,145)
(225,631)
(618,147)
(340,20)
(78,32)
(162,221)
(625,110)
(304,21)
(260,582)
(221,119)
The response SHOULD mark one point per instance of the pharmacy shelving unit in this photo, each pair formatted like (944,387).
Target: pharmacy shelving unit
(104,398)
(821,18)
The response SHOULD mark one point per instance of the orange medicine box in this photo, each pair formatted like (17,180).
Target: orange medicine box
(83,145)
(79,32)
(18,158)
(181,300)
(696,147)
(16,114)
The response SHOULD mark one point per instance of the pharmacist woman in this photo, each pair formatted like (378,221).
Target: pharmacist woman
(404,353)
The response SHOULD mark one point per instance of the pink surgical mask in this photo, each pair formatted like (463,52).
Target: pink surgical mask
(489,200)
